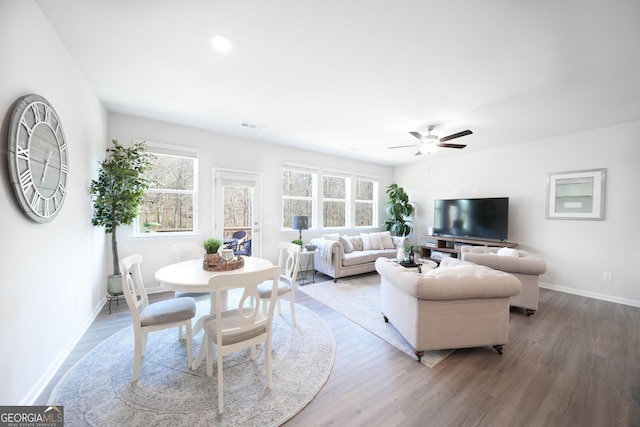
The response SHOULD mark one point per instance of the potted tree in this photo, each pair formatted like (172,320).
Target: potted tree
(398,211)
(117,193)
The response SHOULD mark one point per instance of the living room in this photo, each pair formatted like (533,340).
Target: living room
(55,273)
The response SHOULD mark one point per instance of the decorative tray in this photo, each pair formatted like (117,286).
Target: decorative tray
(222,265)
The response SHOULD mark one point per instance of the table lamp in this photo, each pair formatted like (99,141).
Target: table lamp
(300,222)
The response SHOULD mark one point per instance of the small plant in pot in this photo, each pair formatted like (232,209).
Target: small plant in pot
(211,247)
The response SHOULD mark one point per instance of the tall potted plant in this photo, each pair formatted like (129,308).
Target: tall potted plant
(398,211)
(117,193)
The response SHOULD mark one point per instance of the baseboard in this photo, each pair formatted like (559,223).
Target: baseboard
(588,294)
(51,371)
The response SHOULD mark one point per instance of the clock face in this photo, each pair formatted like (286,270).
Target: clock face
(38,158)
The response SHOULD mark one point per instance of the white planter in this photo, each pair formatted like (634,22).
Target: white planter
(114,284)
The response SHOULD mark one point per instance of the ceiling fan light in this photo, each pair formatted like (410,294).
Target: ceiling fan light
(431,148)
(221,43)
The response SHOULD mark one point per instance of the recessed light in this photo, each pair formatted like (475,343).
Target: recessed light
(221,43)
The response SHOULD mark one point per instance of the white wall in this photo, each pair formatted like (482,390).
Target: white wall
(576,252)
(51,273)
(223,151)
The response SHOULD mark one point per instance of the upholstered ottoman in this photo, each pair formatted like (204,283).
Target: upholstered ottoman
(458,305)
(526,267)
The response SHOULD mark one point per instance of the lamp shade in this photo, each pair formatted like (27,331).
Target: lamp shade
(300,222)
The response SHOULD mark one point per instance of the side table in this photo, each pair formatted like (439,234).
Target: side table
(306,265)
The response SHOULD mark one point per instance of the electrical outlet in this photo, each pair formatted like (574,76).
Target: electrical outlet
(607,277)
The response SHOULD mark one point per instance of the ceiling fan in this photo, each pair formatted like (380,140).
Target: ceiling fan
(429,143)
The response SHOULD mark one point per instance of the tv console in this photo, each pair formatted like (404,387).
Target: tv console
(451,245)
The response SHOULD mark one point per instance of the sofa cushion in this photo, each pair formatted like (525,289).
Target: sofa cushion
(333,236)
(366,257)
(346,244)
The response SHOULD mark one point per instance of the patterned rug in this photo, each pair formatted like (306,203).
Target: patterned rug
(97,390)
(358,299)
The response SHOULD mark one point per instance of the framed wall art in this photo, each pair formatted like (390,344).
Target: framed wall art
(576,195)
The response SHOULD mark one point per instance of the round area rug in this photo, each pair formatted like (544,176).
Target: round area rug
(97,390)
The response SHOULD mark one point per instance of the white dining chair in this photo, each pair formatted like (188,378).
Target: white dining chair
(289,264)
(170,313)
(243,327)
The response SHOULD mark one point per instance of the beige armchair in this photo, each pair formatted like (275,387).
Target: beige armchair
(457,305)
(526,267)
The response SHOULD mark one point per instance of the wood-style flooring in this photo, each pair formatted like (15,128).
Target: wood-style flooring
(576,362)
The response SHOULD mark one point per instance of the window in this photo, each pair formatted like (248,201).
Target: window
(298,190)
(344,201)
(172,194)
(334,201)
(366,202)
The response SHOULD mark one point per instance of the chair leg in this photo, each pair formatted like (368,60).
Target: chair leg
(189,339)
(293,309)
(279,307)
(137,355)
(180,336)
(208,343)
(220,384)
(268,362)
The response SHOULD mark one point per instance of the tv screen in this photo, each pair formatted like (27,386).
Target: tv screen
(486,218)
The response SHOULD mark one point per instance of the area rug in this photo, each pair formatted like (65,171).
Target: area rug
(358,299)
(97,390)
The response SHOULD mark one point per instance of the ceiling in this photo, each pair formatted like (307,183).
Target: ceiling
(354,77)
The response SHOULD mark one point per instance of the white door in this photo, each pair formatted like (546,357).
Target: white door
(237,201)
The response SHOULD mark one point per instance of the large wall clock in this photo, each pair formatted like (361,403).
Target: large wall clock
(38,158)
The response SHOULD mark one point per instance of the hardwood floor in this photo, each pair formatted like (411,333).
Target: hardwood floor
(576,362)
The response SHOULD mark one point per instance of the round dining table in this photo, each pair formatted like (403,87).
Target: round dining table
(190,276)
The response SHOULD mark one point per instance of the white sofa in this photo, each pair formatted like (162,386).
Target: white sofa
(341,256)
(526,267)
(457,305)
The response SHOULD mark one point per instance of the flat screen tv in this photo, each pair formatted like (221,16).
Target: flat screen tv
(486,218)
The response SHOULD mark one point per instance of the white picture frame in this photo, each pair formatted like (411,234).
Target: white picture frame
(576,194)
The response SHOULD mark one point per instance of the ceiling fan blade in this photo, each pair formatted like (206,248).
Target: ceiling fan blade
(403,146)
(451,145)
(456,135)
(417,135)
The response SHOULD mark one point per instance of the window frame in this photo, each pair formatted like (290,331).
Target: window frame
(157,148)
(317,215)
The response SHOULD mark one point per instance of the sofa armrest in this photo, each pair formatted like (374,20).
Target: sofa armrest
(524,263)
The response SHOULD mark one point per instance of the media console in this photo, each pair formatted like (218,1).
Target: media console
(451,245)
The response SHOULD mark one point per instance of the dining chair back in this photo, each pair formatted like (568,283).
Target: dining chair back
(244,326)
(152,317)
(289,264)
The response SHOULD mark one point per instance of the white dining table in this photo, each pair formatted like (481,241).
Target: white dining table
(190,276)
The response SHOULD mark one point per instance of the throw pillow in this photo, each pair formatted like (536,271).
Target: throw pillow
(387,240)
(356,241)
(508,252)
(346,244)
(333,236)
(371,241)
(452,271)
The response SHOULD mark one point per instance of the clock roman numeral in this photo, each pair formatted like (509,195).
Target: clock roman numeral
(61,188)
(26,180)
(47,115)
(22,153)
(64,168)
(35,201)
(26,126)
(36,113)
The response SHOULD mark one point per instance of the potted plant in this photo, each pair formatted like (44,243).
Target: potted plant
(211,246)
(117,193)
(398,211)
